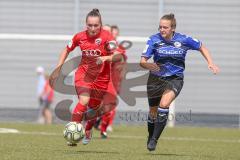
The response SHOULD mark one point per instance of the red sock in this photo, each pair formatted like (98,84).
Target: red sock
(78,112)
(90,124)
(105,121)
(113,112)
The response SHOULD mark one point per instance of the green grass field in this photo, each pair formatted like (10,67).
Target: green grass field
(35,142)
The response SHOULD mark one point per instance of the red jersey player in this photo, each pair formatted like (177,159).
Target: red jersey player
(110,99)
(93,73)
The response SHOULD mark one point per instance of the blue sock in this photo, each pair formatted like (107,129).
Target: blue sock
(160,122)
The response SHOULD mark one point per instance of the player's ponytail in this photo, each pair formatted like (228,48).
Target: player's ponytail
(94,13)
(171,18)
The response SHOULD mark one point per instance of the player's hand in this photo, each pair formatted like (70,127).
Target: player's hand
(101,60)
(153,67)
(214,68)
(119,67)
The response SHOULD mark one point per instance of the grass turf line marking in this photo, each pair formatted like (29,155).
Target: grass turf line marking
(14,131)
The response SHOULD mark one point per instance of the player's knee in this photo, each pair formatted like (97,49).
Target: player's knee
(164,104)
(84,99)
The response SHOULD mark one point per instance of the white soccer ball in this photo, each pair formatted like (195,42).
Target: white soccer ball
(73,132)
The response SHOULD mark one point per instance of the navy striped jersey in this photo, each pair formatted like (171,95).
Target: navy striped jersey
(170,55)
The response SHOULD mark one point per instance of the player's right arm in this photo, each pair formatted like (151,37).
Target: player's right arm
(70,47)
(63,56)
(150,66)
(54,76)
(146,55)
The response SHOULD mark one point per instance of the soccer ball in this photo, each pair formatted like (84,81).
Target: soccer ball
(73,132)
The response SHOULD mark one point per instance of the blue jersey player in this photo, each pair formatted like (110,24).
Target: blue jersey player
(168,49)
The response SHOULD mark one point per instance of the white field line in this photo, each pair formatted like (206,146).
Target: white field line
(131,137)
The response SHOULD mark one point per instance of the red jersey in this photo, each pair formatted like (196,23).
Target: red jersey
(92,48)
(117,71)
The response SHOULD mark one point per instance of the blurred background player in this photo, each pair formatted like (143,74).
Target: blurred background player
(47,98)
(97,126)
(118,73)
(110,99)
(107,27)
(40,87)
(165,81)
(93,73)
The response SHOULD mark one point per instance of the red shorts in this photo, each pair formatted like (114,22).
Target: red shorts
(102,101)
(95,87)
(111,94)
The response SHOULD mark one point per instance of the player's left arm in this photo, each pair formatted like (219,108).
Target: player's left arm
(112,58)
(116,56)
(204,51)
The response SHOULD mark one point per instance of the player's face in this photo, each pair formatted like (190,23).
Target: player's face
(165,29)
(93,26)
(115,33)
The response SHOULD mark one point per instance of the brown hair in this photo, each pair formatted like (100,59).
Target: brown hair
(94,13)
(114,27)
(171,18)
